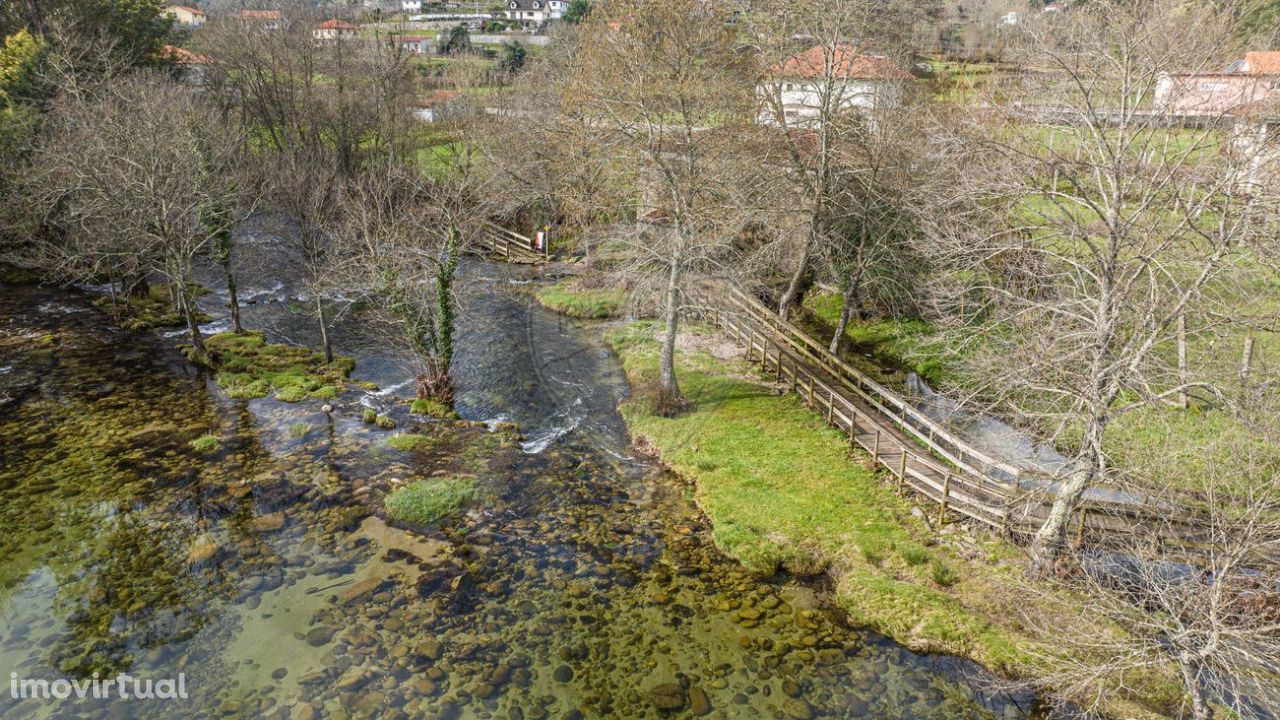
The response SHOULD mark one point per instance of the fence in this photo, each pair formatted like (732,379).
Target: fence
(927,458)
(510,246)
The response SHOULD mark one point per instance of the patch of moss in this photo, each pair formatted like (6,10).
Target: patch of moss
(299,430)
(11,275)
(385,422)
(370,415)
(410,442)
(249,367)
(432,408)
(206,443)
(153,310)
(426,501)
(567,298)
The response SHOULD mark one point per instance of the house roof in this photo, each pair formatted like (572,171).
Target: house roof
(261,14)
(191,10)
(183,56)
(1262,63)
(336,24)
(846,63)
(528,4)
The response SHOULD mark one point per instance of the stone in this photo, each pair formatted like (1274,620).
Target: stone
(351,680)
(797,709)
(667,697)
(699,703)
(359,590)
(320,636)
(790,688)
(304,712)
(269,523)
(202,551)
(564,673)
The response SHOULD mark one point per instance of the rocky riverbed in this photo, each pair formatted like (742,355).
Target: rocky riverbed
(579,581)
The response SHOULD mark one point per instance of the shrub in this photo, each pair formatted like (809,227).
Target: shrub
(914,555)
(943,574)
(427,501)
(206,443)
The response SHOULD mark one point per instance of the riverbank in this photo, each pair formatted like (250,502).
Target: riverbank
(783,492)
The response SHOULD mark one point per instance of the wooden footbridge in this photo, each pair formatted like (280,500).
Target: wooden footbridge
(503,244)
(922,454)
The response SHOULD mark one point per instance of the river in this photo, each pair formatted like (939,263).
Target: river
(582,581)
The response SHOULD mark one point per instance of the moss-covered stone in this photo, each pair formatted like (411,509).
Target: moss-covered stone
(568,298)
(153,310)
(427,501)
(370,416)
(206,443)
(432,408)
(385,422)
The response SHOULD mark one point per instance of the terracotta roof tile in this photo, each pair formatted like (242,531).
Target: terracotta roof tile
(846,63)
(1263,63)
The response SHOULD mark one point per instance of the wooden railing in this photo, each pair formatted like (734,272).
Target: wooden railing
(509,245)
(924,456)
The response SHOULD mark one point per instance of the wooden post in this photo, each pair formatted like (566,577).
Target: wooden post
(875,446)
(902,467)
(810,390)
(831,406)
(779,377)
(946,495)
(764,357)
(853,428)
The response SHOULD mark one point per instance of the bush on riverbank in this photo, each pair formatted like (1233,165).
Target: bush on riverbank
(249,367)
(782,490)
(567,298)
(426,501)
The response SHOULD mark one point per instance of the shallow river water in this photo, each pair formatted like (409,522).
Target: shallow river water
(581,582)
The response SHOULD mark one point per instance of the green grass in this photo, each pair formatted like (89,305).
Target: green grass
(893,343)
(249,367)
(567,298)
(426,501)
(782,491)
(206,443)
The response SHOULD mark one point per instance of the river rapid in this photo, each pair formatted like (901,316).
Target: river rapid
(580,583)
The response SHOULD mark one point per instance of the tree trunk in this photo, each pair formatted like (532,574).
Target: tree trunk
(1246,360)
(846,311)
(669,399)
(1184,400)
(1049,538)
(1200,708)
(233,300)
(801,281)
(324,330)
(193,326)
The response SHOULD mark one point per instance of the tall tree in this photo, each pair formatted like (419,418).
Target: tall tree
(1100,239)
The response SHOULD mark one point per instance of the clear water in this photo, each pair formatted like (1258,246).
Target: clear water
(581,583)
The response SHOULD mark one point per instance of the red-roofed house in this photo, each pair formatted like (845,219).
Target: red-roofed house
(192,65)
(184,15)
(334,29)
(1253,79)
(415,44)
(794,90)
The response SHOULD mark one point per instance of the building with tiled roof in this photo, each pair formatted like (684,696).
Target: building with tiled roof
(793,91)
(185,15)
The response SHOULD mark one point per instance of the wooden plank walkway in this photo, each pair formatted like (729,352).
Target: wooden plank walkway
(925,457)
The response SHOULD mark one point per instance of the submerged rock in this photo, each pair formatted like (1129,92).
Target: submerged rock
(667,697)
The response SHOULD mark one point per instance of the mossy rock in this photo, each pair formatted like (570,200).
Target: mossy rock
(325,392)
(385,422)
(292,394)
(432,408)
(370,416)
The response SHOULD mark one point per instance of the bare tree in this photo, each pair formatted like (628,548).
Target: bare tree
(128,177)
(665,87)
(826,70)
(1100,235)
(1206,612)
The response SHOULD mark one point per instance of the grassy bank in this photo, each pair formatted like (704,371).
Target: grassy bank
(567,298)
(893,343)
(782,490)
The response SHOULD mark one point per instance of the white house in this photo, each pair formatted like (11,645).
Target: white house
(184,15)
(532,14)
(411,6)
(794,89)
(334,29)
(415,44)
